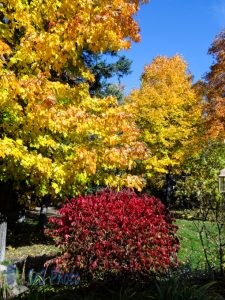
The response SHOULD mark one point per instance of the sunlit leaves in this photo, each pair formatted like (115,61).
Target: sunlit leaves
(51,33)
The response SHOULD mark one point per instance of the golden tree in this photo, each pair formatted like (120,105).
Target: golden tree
(56,139)
(168,113)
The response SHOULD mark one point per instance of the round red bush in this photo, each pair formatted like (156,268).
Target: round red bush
(115,231)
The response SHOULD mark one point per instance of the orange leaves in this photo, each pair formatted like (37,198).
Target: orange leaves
(215,77)
(4,48)
(215,90)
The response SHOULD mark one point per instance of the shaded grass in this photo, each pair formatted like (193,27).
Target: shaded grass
(26,239)
(26,233)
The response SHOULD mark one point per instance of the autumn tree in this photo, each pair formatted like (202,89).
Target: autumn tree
(215,89)
(168,113)
(55,139)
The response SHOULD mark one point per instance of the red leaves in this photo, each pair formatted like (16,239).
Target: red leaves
(116,231)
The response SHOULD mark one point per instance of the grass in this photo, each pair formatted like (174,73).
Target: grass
(191,251)
(32,250)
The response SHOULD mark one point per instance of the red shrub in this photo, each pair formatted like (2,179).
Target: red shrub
(115,231)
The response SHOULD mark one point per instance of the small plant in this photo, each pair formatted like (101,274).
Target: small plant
(115,232)
(4,289)
(9,280)
(176,289)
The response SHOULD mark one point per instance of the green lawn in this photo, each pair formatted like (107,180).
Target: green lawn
(191,250)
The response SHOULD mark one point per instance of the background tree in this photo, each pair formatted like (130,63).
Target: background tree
(168,113)
(103,71)
(55,139)
(215,86)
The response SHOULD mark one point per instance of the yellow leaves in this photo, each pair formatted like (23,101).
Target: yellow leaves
(56,187)
(82,178)
(19,142)
(88,160)
(10,147)
(25,163)
(56,32)
(132,181)
(47,141)
(126,180)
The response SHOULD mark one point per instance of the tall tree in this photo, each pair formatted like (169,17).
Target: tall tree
(103,70)
(168,113)
(215,89)
(55,139)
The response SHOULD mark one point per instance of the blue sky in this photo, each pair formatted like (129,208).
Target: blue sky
(170,27)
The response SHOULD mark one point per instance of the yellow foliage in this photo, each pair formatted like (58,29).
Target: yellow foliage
(55,32)
(55,138)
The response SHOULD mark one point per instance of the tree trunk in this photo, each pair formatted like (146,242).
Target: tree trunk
(43,217)
(168,190)
(3,230)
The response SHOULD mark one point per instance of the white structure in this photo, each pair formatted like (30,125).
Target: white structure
(222,181)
